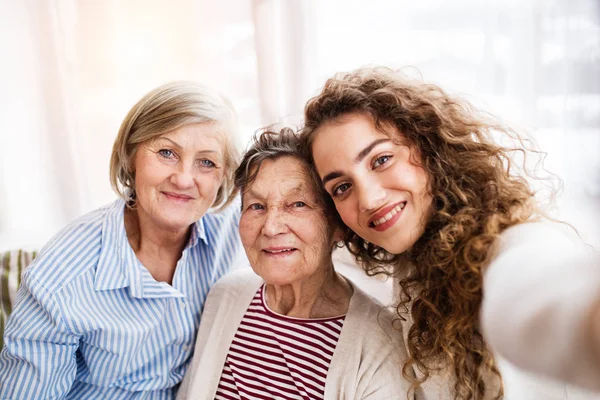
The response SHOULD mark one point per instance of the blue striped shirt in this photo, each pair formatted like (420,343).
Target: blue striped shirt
(90,322)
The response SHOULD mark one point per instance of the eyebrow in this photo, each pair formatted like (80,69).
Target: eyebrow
(297,191)
(170,140)
(301,191)
(179,147)
(251,193)
(359,157)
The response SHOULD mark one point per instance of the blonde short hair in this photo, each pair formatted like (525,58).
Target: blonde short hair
(167,108)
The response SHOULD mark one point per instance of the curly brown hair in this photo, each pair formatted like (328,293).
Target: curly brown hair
(477,192)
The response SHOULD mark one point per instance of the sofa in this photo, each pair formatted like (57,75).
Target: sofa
(12,264)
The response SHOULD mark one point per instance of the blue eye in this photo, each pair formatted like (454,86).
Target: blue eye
(380,161)
(256,207)
(166,153)
(299,204)
(207,163)
(340,189)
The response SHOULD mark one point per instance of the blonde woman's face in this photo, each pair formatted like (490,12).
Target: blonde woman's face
(177,176)
(377,186)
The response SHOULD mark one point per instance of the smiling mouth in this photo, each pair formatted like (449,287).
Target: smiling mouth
(177,197)
(281,251)
(387,217)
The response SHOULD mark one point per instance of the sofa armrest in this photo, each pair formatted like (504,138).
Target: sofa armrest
(12,265)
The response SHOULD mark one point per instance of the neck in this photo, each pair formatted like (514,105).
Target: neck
(323,295)
(157,249)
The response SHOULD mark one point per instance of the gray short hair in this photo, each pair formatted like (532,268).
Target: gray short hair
(167,108)
(266,145)
(269,144)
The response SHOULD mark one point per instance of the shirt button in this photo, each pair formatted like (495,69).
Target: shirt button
(182,304)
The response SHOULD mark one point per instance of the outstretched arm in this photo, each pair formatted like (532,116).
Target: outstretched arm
(541,304)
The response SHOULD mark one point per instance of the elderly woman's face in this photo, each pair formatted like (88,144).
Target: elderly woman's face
(177,176)
(283,228)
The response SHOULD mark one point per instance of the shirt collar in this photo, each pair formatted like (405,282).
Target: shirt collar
(198,232)
(111,269)
(143,285)
(118,267)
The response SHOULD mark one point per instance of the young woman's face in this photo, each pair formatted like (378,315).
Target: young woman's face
(378,187)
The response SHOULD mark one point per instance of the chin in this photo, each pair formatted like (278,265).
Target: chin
(399,248)
(176,225)
(392,248)
(277,282)
(395,247)
(277,279)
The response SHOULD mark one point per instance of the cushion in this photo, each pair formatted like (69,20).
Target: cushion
(12,264)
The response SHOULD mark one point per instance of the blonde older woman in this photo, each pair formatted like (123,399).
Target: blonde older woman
(291,328)
(110,307)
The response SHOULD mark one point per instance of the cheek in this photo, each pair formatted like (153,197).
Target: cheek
(209,184)
(348,212)
(150,175)
(422,182)
(427,209)
(316,234)
(248,231)
(423,197)
(144,187)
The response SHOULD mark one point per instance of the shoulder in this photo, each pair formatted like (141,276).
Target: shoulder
(229,298)
(536,243)
(71,251)
(370,352)
(370,320)
(226,217)
(236,282)
(222,227)
(234,289)
(544,233)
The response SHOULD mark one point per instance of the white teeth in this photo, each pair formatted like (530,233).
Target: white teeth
(278,251)
(390,214)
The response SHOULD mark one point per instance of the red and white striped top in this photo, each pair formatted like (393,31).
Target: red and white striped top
(277,357)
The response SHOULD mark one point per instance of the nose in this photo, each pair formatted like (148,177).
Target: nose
(275,223)
(183,177)
(371,196)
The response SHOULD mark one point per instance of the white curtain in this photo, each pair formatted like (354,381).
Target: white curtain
(535,64)
(70,70)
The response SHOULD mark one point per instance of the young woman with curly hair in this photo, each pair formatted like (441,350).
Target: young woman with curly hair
(427,195)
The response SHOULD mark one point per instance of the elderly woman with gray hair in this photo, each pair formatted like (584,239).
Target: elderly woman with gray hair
(291,327)
(110,307)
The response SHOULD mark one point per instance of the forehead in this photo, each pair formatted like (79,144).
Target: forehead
(345,137)
(361,125)
(283,176)
(209,136)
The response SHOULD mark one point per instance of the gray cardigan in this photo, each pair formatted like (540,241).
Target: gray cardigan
(366,364)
